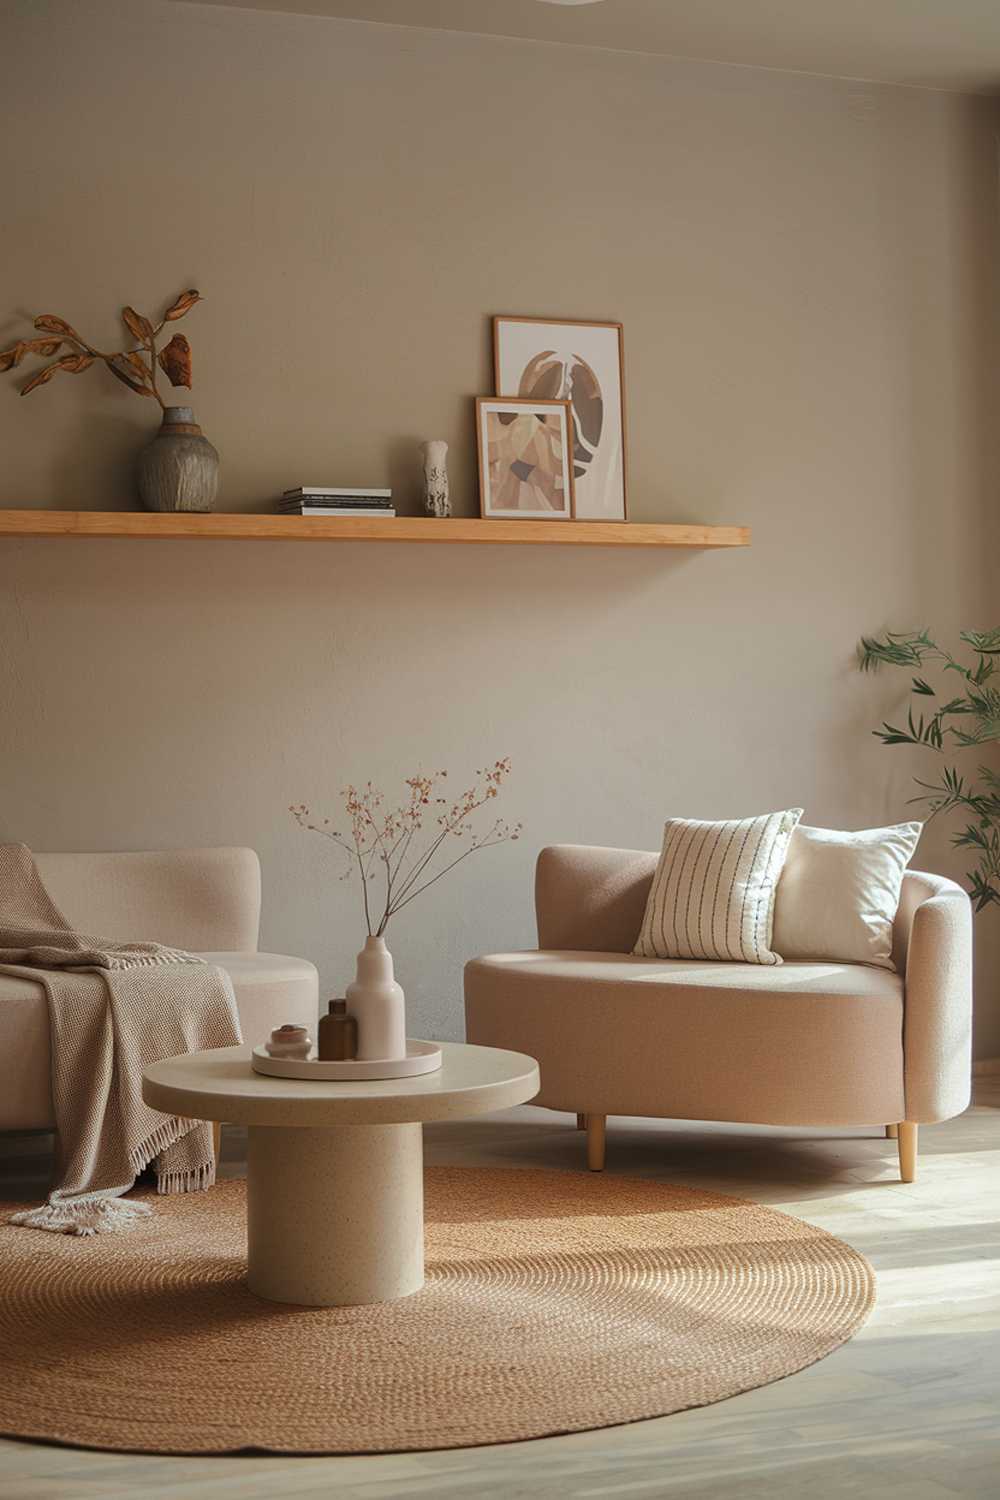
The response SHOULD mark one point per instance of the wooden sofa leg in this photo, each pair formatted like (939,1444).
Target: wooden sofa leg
(907,1143)
(581,1122)
(891,1132)
(595,1142)
(217,1140)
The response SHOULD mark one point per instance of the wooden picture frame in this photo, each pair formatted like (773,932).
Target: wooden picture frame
(582,361)
(521,463)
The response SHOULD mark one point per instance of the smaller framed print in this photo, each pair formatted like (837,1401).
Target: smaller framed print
(525,458)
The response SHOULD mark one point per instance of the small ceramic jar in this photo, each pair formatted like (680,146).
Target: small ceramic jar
(289,1041)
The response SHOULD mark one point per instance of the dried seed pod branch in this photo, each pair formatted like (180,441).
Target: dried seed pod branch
(129,366)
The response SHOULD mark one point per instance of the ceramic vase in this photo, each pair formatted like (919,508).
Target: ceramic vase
(435,456)
(179,469)
(377,1003)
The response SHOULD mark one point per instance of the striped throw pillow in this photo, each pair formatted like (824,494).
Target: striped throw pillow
(713,892)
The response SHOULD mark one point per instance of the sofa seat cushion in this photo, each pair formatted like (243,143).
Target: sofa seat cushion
(623,970)
(802,1043)
(270,988)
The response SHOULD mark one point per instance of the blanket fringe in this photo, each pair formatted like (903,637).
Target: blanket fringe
(198,1180)
(99,1216)
(194,1180)
(111,1214)
(161,1139)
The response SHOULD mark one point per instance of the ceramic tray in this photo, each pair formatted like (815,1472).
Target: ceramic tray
(421,1057)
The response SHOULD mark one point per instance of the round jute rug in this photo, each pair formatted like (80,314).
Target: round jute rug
(554,1302)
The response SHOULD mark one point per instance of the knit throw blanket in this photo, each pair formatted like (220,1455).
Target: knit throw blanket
(113,1009)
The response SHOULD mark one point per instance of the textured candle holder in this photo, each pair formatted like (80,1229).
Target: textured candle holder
(435,456)
(288,1041)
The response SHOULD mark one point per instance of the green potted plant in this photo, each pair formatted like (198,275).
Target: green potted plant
(969,720)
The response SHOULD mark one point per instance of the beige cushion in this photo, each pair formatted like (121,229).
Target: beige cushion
(184,898)
(838,893)
(688,1039)
(713,892)
(270,988)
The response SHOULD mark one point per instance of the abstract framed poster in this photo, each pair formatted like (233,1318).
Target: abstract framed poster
(525,464)
(582,363)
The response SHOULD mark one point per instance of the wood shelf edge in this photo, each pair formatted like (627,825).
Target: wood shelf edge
(455,529)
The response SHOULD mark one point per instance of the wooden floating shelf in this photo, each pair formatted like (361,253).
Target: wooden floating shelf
(140,523)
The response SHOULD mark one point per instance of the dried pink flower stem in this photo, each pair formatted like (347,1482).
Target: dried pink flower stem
(383,840)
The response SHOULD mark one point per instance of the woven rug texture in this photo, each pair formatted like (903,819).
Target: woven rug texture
(555,1302)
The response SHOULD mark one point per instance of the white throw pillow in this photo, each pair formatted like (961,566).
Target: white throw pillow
(713,892)
(838,893)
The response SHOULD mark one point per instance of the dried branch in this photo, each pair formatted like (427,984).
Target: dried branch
(386,840)
(128,366)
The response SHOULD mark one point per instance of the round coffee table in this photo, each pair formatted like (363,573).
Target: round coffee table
(335,1194)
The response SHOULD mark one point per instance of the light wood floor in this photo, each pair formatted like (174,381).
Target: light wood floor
(909,1410)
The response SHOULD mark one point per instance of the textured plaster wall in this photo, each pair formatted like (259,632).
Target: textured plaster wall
(804,268)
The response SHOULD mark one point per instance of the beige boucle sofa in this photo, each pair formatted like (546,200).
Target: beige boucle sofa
(809,1044)
(205,900)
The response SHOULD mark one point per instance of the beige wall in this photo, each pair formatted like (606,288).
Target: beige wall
(804,271)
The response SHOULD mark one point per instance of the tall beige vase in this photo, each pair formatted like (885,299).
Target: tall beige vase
(179,469)
(378,1004)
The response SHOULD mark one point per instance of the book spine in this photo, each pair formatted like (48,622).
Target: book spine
(307,492)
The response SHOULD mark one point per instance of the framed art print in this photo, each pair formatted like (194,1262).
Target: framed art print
(525,464)
(582,363)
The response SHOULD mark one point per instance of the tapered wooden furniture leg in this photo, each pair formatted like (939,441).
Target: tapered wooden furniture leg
(907,1142)
(595,1142)
(581,1122)
(891,1132)
(217,1140)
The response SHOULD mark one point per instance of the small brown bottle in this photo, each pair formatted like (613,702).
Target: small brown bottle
(338,1034)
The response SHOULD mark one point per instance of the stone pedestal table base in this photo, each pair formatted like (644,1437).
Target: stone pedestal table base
(335,1217)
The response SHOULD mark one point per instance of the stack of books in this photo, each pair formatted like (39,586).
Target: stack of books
(321,500)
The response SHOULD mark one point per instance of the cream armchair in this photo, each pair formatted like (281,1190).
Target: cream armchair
(205,900)
(811,1044)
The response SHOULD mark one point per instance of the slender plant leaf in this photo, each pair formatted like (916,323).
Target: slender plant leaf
(11,358)
(131,371)
(72,364)
(182,305)
(986,642)
(50,324)
(139,327)
(175,361)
